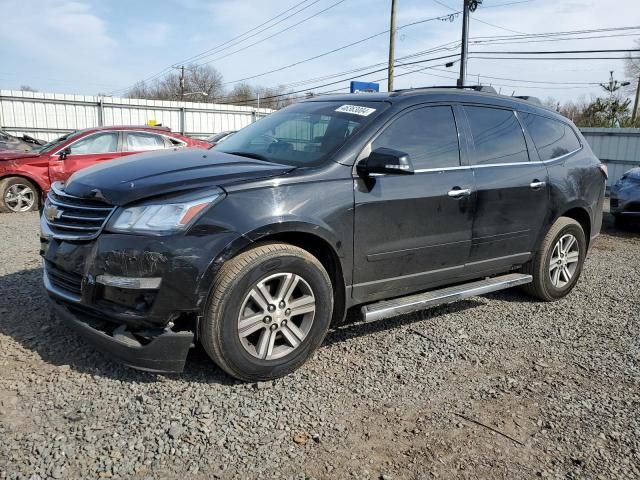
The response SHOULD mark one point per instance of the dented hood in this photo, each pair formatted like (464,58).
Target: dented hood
(141,176)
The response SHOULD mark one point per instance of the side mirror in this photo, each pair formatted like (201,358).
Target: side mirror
(386,160)
(64,153)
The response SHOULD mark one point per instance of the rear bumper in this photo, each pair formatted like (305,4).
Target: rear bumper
(165,352)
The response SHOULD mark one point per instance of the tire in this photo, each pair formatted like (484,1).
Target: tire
(236,296)
(18,195)
(545,285)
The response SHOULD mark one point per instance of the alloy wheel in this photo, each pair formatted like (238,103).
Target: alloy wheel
(276,316)
(564,260)
(19,198)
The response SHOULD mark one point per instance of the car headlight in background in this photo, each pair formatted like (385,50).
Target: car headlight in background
(169,217)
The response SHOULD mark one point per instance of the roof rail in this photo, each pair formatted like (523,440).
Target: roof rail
(477,88)
(529,98)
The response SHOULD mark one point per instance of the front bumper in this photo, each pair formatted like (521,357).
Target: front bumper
(149,322)
(163,351)
(623,203)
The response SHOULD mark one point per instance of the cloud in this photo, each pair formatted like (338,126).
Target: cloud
(149,35)
(55,31)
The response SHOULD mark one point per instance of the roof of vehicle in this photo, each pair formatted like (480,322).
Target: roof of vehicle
(436,94)
(148,128)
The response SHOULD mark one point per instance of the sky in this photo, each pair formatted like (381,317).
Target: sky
(104,46)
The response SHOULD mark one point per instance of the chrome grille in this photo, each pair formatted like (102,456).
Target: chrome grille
(74,218)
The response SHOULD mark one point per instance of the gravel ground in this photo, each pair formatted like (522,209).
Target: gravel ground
(554,389)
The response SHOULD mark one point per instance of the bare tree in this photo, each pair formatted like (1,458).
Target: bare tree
(27,88)
(202,82)
(242,93)
(632,63)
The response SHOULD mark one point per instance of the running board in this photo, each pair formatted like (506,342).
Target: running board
(421,301)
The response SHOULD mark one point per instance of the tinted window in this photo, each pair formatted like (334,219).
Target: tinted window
(428,135)
(100,143)
(140,141)
(551,137)
(497,136)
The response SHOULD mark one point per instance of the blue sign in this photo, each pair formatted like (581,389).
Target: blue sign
(360,87)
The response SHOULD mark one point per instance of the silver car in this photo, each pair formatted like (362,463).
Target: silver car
(625,197)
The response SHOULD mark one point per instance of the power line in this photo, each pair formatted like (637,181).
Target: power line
(554,58)
(357,42)
(218,48)
(167,69)
(556,52)
(272,35)
(442,4)
(569,32)
(342,80)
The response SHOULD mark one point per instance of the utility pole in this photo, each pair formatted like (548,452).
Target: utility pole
(182,83)
(468,7)
(392,42)
(634,113)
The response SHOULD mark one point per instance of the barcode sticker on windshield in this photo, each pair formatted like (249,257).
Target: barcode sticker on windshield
(356,110)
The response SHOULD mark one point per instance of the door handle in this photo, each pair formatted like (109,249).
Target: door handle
(459,192)
(536,184)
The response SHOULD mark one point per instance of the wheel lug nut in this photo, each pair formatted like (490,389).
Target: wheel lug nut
(271,308)
(287,311)
(267,319)
(284,323)
(282,304)
(273,327)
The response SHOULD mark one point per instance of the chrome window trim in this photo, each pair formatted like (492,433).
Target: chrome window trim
(540,162)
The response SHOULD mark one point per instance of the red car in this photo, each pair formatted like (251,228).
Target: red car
(26,176)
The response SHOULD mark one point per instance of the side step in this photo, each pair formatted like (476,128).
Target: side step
(421,301)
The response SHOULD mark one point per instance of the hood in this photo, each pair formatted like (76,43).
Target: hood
(16,155)
(634,173)
(133,178)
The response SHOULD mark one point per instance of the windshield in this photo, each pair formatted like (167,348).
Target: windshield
(53,143)
(302,134)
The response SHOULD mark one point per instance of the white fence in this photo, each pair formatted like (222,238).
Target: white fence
(49,115)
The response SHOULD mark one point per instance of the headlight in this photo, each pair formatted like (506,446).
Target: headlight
(161,218)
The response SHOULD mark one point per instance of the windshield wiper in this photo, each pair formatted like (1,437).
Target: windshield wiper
(255,156)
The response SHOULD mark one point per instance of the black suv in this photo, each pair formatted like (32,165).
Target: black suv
(393,201)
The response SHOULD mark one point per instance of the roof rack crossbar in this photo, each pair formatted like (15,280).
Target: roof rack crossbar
(477,88)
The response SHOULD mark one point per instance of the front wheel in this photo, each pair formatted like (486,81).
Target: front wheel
(557,265)
(270,308)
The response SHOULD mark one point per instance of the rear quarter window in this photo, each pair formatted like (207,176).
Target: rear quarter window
(552,138)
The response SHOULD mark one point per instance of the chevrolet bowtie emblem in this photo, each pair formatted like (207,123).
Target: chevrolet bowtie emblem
(52,213)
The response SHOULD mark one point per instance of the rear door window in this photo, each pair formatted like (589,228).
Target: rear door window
(497,136)
(429,135)
(142,141)
(552,138)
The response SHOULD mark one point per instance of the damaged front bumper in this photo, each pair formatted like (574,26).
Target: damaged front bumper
(162,351)
(133,297)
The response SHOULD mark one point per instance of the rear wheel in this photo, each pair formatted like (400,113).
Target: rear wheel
(269,310)
(557,265)
(18,195)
